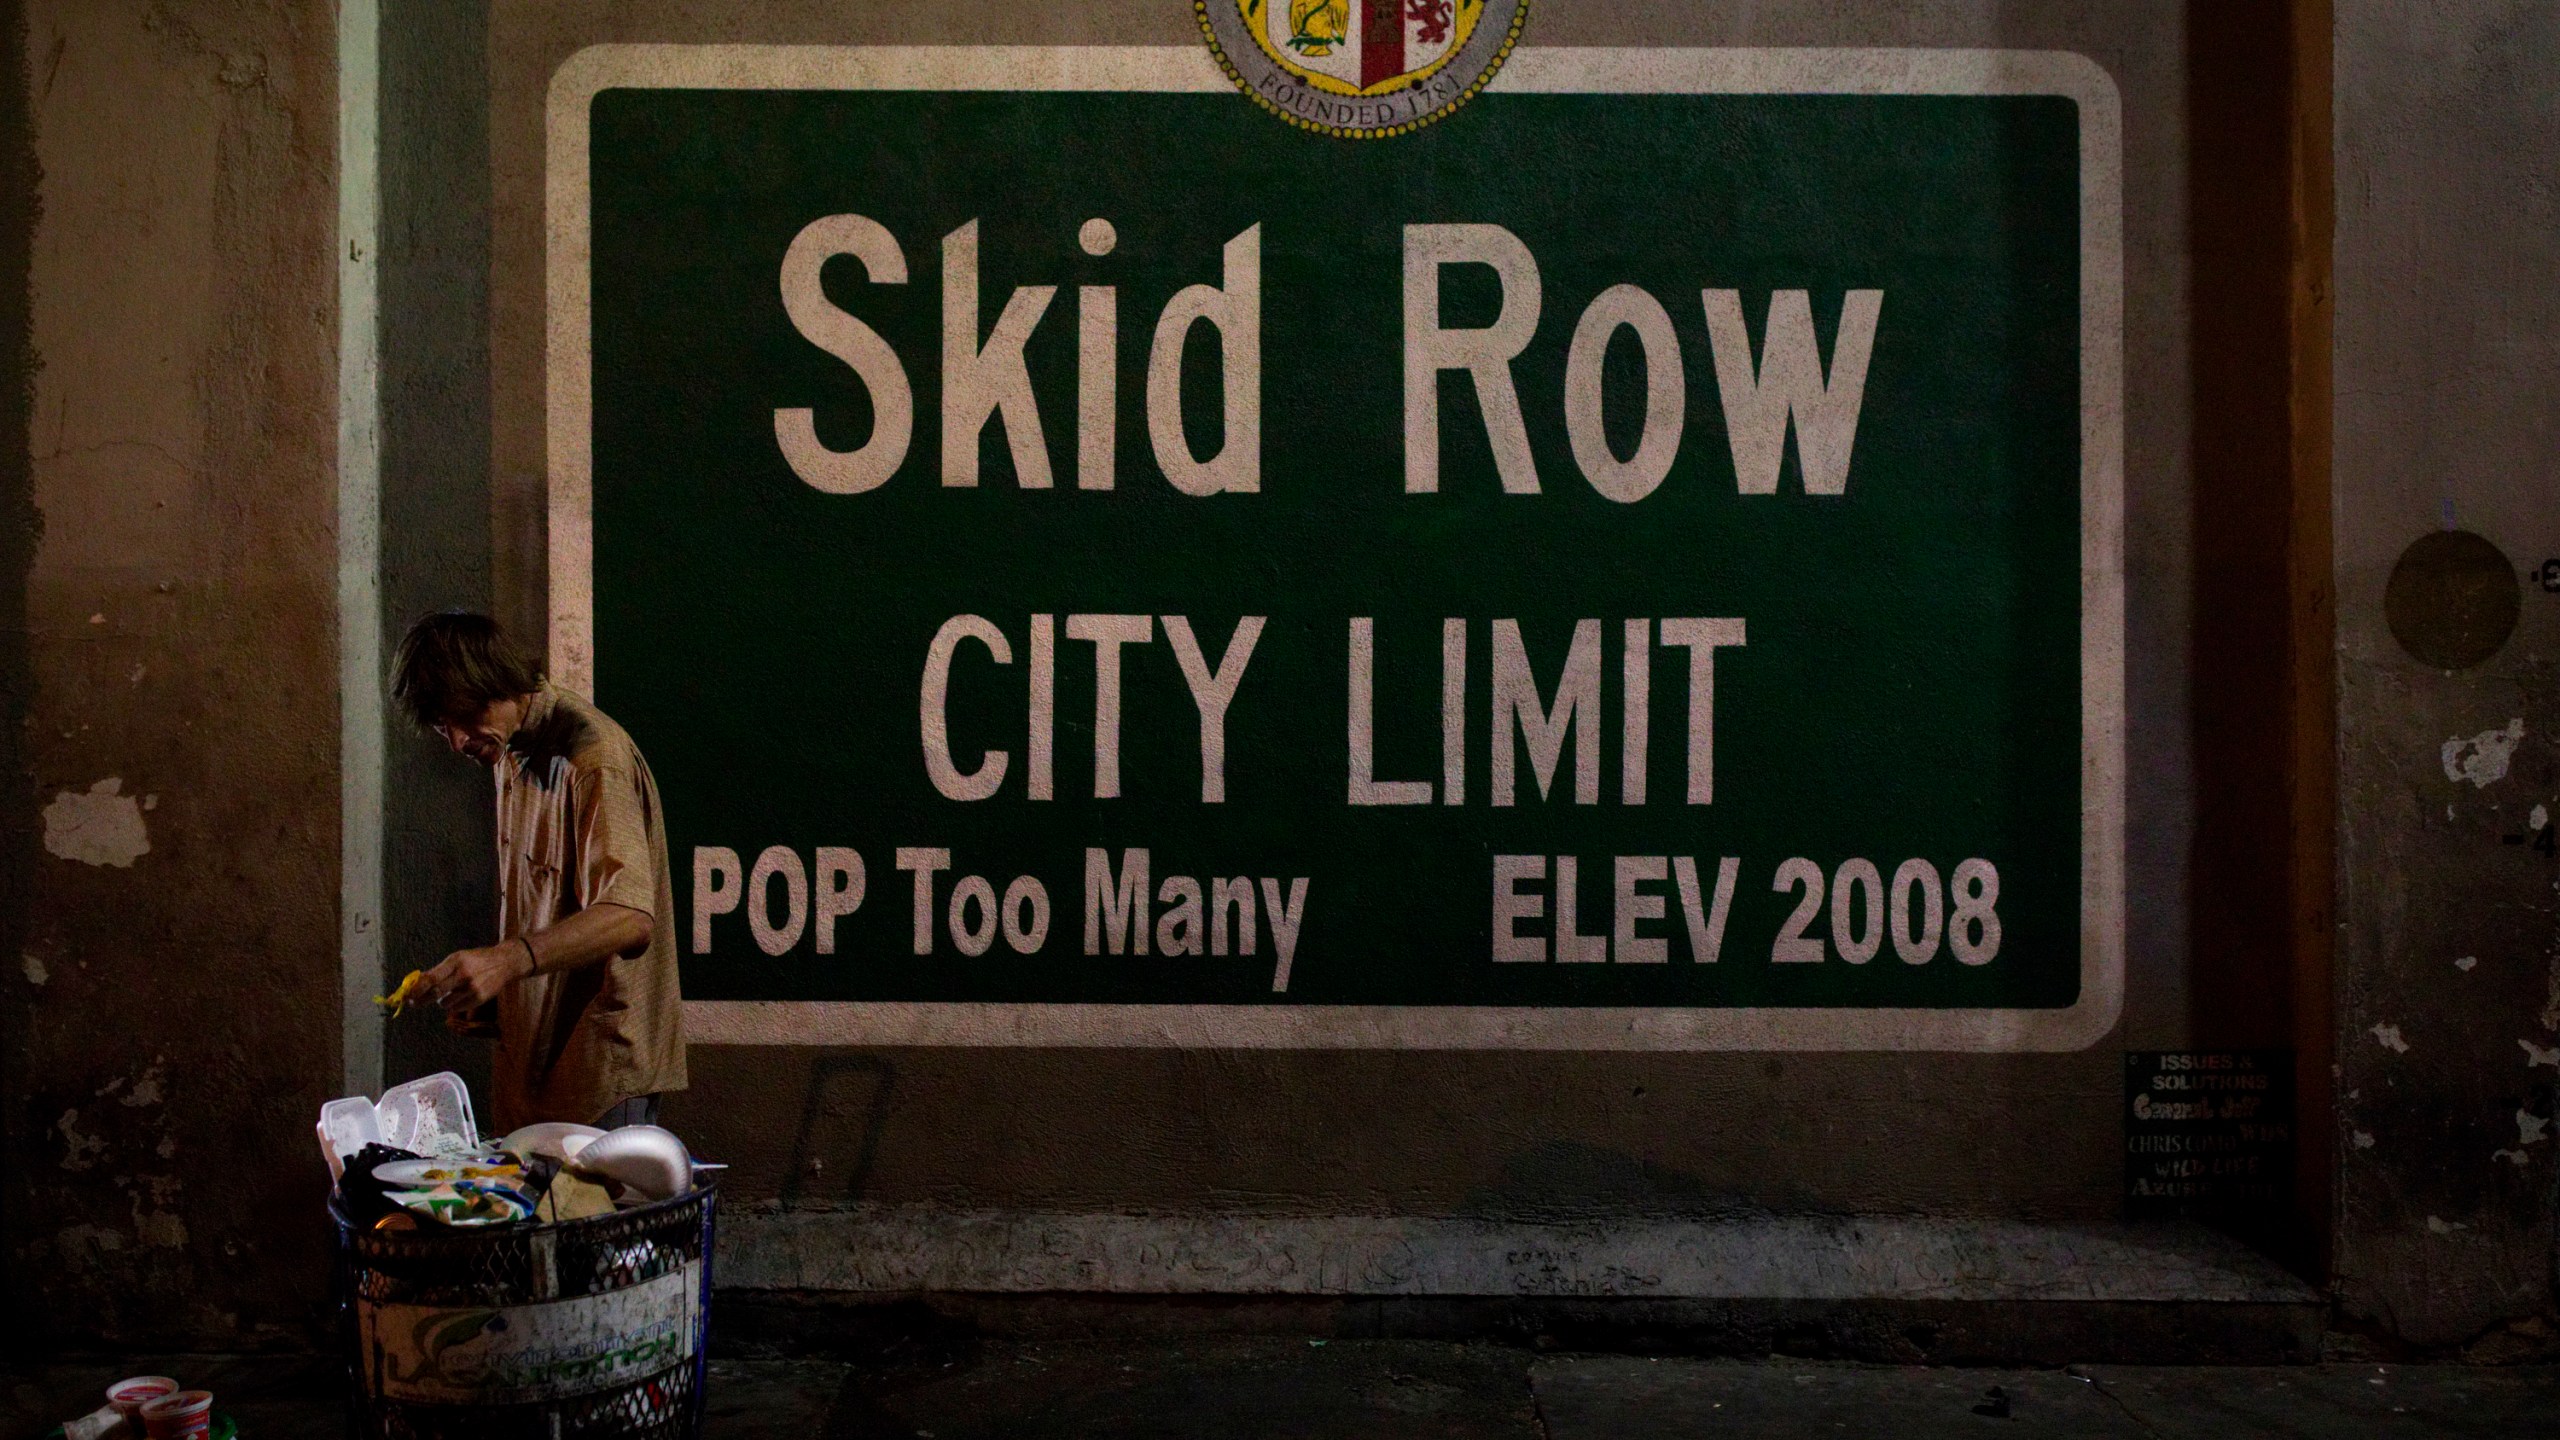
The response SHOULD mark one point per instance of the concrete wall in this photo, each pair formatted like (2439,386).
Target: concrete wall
(171,1012)
(2448,385)
(172,992)
(438,831)
(1509,1135)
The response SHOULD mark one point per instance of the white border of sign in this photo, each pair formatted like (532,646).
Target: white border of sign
(1530,71)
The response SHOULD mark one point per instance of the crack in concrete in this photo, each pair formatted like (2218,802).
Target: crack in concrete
(2112,1398)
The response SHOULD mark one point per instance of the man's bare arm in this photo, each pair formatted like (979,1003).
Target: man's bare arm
(471,978)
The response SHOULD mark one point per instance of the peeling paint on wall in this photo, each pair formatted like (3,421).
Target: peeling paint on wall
(2483,758)
(2443,1231)
(81,1244)
(102,827)
(179,287)
(2529,1132)
(2389,1036)
(160,1225)
(80,1151)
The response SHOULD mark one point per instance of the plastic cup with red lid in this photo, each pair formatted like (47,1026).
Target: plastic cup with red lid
(131,1393)
(179,1415)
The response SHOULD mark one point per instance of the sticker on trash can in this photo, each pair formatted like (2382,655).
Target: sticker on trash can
(512,1354)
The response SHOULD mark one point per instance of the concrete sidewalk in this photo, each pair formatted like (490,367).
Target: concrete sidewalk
(1251,1388)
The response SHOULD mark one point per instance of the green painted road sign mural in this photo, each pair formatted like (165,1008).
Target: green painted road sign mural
(1633,565)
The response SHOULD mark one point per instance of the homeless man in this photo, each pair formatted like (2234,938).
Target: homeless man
(580,988)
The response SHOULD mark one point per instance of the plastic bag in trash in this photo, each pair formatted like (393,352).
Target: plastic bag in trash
(360,1193)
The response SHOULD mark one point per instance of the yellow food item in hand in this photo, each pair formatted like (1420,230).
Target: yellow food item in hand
(409,988)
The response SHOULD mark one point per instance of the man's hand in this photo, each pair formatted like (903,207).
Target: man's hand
(469,979)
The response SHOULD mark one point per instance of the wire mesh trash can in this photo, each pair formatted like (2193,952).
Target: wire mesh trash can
(582,1328)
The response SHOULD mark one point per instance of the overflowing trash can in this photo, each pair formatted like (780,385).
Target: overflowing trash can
(590,1327)
(477,1301)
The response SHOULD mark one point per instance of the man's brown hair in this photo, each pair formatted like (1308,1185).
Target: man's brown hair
(453,665)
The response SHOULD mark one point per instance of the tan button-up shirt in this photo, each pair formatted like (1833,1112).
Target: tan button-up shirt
(578,825)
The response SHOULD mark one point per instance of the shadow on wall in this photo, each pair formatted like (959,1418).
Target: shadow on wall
(2262,693)
(845,1108)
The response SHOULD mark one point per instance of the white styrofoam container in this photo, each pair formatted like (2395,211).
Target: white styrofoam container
(430,1115)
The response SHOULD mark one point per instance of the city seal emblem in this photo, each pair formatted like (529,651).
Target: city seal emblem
(1361,69)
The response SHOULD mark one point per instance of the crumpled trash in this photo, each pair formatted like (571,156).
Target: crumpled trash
(571,1197)
(467,1202)
(453,1177)
(486,1189)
